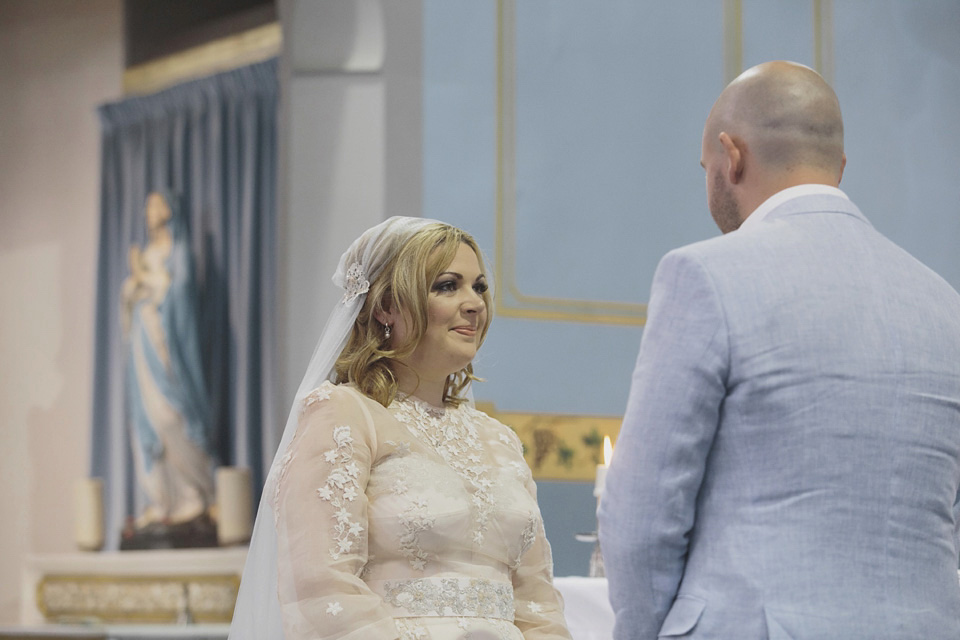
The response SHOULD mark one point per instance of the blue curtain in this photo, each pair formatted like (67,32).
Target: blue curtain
(213,142)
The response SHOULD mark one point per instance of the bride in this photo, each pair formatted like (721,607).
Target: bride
(394,508)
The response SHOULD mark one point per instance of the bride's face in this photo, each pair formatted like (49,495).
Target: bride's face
(456,316)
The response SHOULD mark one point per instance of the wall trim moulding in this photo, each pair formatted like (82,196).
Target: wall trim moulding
(823,59)
(510,301)
(732,39)
(823,54)
(249,47)
(559,446)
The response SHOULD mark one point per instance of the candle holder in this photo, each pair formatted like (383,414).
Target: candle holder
(596,557)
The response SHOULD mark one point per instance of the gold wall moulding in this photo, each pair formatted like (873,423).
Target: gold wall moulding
(248,47)
(733,36)
(732,39)
(823,58)
(557,446)
(137,599)
(510,301)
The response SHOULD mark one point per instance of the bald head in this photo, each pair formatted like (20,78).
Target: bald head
(785,114)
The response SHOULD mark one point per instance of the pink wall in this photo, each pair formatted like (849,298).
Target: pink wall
(58,61)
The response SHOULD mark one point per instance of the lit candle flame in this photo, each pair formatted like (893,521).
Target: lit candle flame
(607,450)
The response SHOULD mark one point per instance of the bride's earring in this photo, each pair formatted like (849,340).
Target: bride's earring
(386,331)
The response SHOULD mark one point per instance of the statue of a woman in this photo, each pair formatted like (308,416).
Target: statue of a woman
(166,398)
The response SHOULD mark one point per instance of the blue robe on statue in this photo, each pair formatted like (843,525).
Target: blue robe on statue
(166,397)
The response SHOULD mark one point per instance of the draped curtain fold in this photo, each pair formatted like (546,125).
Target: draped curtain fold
(213,141)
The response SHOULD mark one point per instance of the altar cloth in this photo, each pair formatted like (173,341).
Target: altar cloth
(586,607)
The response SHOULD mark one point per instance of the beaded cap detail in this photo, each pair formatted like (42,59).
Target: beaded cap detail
(356,283)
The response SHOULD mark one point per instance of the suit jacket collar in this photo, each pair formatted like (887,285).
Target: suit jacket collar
(820,203)
(768,205)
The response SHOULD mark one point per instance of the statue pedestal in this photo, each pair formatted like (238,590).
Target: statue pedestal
(132,587)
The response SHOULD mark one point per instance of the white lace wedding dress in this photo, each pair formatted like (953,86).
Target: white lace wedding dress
(412,522)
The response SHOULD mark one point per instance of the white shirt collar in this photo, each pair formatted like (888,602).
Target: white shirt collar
(789,193)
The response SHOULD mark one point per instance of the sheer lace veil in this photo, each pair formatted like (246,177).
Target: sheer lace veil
(257,613)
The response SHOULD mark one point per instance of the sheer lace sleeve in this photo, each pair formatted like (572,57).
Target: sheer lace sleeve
(539,606)
(321,510)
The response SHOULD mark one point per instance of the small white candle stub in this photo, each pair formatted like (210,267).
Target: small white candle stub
(600,481)
(602,468)
(234,508)
(88,513)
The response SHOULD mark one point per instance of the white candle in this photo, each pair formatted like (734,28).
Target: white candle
(88,513)
(602,468)
(234,508)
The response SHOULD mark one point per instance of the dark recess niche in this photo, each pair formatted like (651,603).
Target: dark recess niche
(157,28)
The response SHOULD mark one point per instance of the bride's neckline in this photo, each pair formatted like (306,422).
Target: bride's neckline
(429,407)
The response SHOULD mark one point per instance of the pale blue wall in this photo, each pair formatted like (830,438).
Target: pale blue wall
(898,79)
(611,98)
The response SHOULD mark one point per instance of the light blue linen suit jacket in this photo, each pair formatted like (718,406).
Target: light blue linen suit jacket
(789,462)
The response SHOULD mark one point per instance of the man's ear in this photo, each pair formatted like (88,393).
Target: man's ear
(734,167)
(843,165)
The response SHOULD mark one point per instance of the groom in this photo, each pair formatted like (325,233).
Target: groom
(789,462)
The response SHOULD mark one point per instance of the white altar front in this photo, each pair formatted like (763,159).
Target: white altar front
(132,587)
(188,594)
(116,632)
(586,607)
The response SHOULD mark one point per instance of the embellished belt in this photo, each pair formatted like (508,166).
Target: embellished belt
(461,597)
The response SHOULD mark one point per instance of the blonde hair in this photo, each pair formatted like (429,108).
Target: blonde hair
(405,281)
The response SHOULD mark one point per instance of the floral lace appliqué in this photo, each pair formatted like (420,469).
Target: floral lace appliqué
(451,433)
(414,520)
(334,608)
(318,395)
(527,538)
(401,449)
(410,631)
(514,443)
(341,488)
(277,479)
(356,283)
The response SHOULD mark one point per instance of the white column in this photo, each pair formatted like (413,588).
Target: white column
(350,151)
